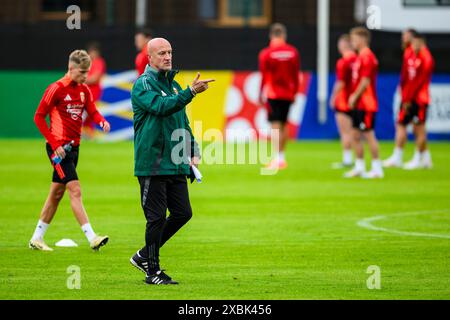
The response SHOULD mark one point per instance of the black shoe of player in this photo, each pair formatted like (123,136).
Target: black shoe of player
(159,278)
(139,262)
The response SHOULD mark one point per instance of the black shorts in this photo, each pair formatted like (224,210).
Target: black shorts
(363,120)
(415,113)
(68,165)
(279,110)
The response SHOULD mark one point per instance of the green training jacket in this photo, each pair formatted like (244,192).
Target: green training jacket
(158,111)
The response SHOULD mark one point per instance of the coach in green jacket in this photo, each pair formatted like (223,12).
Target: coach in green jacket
(164,150)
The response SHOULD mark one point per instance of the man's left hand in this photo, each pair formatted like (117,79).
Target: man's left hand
(195,161)
(333,102)
(105,126)
(261,100)
(352,101)
(200,85)
(406,105)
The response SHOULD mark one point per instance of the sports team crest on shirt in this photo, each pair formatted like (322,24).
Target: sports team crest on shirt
(75,110)
(82,97)
(175,90)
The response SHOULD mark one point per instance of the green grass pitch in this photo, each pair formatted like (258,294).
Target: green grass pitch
(294,235)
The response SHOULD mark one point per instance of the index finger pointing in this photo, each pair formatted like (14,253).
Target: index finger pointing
(208,80)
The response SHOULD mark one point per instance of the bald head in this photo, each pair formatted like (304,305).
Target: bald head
(160,54)
(156,43)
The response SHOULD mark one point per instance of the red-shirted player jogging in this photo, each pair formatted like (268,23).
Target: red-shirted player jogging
(339,99)
(64,101)
(364,104)
(415,79)
(279,65)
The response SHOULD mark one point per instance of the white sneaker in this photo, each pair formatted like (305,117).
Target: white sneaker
(427,164)
(392,162)
(98,242)
(39,244)
(353,173)
(412,165)
(372,174)
(276,165)
(341,165)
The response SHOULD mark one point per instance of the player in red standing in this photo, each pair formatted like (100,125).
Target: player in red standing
(64,101)
(95,75)
(396,159)
(141,38)
(279,65)
(363,101)
(339,98)
(415,79)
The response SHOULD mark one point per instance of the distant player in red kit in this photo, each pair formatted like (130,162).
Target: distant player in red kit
(64,101)
(95,75)
(415,79)
(141,38)
(279,65)
(339,98)
(364,104)
(396,159)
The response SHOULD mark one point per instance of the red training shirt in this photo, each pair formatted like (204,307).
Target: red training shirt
(279,65)
(65,100)
(344,73)
(141,61)
(98,66)
(416,82)
(366,66)
(408,53)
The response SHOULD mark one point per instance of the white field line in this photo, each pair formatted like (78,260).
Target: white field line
(367,223)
